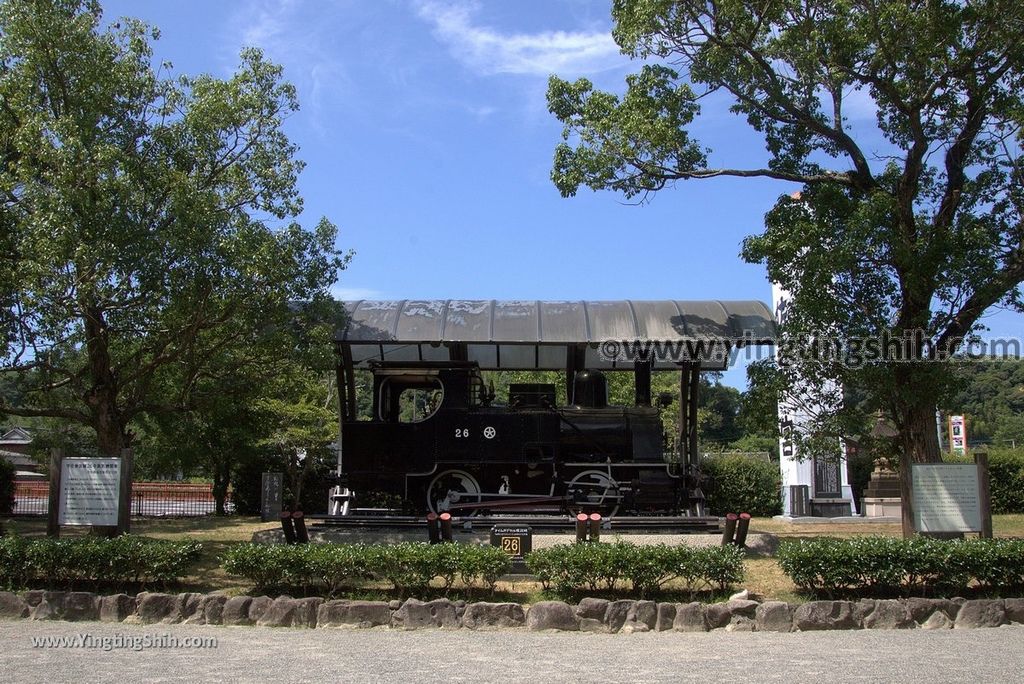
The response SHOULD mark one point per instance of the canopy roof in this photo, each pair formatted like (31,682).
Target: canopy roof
(537,335)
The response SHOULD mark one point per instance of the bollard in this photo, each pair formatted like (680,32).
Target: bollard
(433,529)
(446,526)
(581,527)
(741,530)
(288,527)
(299,523)
(595,527)
(730,528)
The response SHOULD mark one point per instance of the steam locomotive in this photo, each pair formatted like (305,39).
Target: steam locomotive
(438,441)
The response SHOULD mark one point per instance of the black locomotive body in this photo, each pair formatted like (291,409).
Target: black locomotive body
(439,441)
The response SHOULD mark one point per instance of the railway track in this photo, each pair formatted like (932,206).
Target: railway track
(635,524)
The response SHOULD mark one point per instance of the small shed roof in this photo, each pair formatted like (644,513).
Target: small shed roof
(536,334)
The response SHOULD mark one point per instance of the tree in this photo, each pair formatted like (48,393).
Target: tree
(915,243)
(148,222)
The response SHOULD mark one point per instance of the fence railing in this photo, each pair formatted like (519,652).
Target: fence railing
(149,499)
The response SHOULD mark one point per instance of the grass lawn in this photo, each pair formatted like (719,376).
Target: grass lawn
(217,533)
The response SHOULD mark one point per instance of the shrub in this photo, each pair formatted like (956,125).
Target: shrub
(407,566)
(890,565)
(1006,478)
(740,484)
(570,568)
(94,561)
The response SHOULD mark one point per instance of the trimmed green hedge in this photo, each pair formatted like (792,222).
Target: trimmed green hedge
(406,566)
(741,484)
(1006,480)
(572,568)
(892,565)
(89,561)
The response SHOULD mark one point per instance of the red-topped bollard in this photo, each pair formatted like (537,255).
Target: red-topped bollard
(730,528)
(581,527)
(299,523)
(287,527)
(595,527)
(433,528)
(446,526)
(741,530)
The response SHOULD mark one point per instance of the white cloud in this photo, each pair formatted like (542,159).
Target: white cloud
(488,51)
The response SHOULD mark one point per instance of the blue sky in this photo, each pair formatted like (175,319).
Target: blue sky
(427,140)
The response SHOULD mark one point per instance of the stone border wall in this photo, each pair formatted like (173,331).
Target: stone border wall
(590,615)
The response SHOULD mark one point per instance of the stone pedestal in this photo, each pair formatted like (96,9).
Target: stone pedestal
(830,508)
(882,495)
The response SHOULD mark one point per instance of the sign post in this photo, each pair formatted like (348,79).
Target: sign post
(948,498)
(270,499)
(516,541)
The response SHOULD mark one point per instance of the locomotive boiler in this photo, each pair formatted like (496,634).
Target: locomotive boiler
(438,439)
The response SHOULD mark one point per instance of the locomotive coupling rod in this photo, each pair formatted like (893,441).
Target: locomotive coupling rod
(446,526)
(288,527)
(730,528)
(595,527)
(433,528)
(299,523)
(581,527)
(741,530)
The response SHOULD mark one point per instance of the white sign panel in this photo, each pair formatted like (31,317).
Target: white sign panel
(89,491)
(946,497)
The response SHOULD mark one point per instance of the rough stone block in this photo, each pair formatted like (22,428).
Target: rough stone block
(236,611)
(666,616)
(13,606)
(618,613)
(81,605)
(493,616)
(744,607)
(817,615)
(552,615)
(644,613)
(1014,609)
(415,614)
(286,611)
(718,615)
(258,607)
(592,608)
(690,618)
(938,620)
(116,608)
(890,614)
(209,611)
(49,607)
(740,623)
(153,607)
(593,625)
(981,613)
(774,616)
(362,614)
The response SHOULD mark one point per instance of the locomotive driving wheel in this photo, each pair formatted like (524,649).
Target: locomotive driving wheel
(595,491)
(452,487)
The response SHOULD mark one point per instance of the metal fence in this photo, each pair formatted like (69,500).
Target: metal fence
(149,499)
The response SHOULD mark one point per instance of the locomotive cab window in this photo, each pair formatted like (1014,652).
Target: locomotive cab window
(410,399)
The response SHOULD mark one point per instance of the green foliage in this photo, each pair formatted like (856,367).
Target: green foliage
(1006,480)
(908,220)
(991,396)
(92,561)
(571,568)
(6,487)
(887,566)
(740,484)
(154,218)
(407,566)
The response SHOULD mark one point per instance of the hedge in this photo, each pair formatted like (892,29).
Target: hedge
(741,484)
(570,568)
(94,561)
(405,566)
(1006,480)
(892,565)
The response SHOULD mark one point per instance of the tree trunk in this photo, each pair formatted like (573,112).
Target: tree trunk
(920,442)
(221,480)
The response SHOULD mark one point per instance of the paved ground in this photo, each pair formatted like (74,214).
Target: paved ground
(263,654)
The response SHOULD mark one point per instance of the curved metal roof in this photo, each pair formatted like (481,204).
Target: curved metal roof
(409,330)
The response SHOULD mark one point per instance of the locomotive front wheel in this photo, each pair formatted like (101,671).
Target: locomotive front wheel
(451,487)
(596,491)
